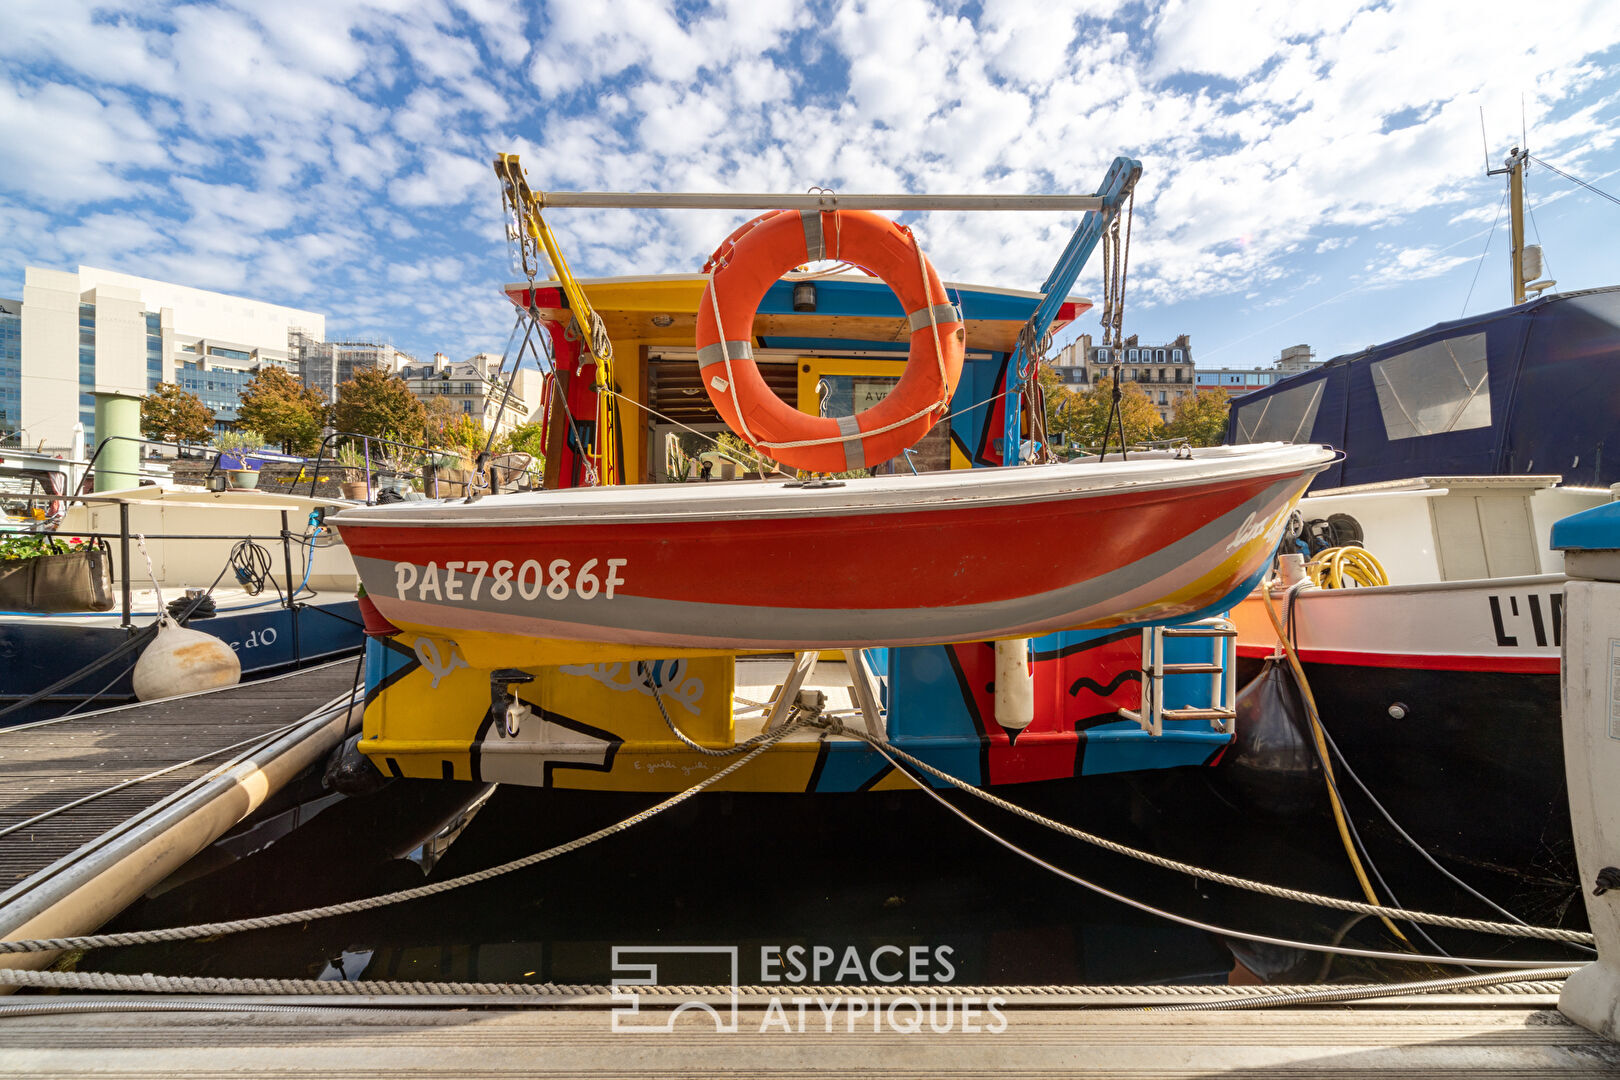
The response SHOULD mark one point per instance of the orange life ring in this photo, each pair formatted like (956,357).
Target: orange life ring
(749,262)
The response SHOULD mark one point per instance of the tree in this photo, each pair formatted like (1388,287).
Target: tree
(378,404)
(171,414)
(283,409)
(527,439)
(463,434)
(440,414)
(1199,418)
(1082,415)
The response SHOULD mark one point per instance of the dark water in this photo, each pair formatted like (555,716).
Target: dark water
(857,871)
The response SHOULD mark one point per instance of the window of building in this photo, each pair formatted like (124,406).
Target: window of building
(229,354)
(1159,356)
(188,348)
(1287,416)
(1102,356)
(1133,356)
(1434,389)
(1176,354)
(1164,398)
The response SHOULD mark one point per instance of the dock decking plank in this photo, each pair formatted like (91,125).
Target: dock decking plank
(45,766)
(1413,1042)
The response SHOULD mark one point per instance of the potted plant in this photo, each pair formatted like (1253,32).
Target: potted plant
(352,460)
(40,572)
(234,449)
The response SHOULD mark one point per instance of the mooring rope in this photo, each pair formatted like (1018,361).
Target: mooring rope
(290,918)
(1530,971)
(1544,933)
(1542,981)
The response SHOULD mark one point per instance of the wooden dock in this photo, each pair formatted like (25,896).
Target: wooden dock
(90,861)
(1501,1035)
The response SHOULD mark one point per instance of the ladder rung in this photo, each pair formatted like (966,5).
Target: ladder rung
(1193,669)
(1199,631)
(1199,714)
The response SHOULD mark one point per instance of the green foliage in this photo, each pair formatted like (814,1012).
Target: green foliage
(240,441)
(527,439)
(376,403)
(350,456)
(284,409)
(170,414)
(464,435)
(438,416)
(1200,418)
(747,458)
(1082,414)
(21,545)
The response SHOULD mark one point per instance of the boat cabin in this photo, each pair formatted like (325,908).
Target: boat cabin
(828,345)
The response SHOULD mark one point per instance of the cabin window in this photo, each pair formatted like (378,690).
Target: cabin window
(1434,389)
(1285,417)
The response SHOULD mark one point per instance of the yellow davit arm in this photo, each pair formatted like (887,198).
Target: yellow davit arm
(533,233)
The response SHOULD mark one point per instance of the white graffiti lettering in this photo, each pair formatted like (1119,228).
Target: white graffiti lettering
(673,682)
(428,655)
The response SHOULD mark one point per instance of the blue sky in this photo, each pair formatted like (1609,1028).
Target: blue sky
(1312,171)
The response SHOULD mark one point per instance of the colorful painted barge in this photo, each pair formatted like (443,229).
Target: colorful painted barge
(1003,620)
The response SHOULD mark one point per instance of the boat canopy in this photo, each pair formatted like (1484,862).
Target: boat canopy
(1529,389)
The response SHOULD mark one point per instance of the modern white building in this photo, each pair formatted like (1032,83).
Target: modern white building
(77,333)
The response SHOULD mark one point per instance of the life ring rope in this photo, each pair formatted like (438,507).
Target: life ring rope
(854,440)
(725,354)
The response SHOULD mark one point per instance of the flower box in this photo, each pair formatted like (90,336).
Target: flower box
(63,577)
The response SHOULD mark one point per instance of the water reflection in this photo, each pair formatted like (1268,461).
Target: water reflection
(862,872)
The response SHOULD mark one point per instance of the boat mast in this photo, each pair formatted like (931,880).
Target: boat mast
(1514,169)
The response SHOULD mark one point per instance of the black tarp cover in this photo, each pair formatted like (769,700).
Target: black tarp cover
(1530,389)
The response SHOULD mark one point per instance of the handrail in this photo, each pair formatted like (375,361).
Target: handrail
(90,466)
(366,442)
(126,590)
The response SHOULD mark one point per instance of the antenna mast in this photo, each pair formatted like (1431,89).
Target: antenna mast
(1514,168)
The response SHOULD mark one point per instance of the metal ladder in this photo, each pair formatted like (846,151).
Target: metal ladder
(1222,674)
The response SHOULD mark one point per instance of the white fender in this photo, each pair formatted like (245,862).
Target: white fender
(1015,685)
(181,661)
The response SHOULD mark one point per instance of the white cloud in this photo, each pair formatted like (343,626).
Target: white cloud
(337,151)
(66,146)
(444,180)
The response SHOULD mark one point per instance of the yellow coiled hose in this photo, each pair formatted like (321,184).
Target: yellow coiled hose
(1343,567)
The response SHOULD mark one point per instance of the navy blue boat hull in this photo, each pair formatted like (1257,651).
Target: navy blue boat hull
(1474,770)
(34,653)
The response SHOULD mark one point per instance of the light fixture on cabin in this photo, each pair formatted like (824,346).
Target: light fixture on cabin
(663,320)
(804,296)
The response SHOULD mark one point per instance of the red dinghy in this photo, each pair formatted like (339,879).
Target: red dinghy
(587,573)
(903,560)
